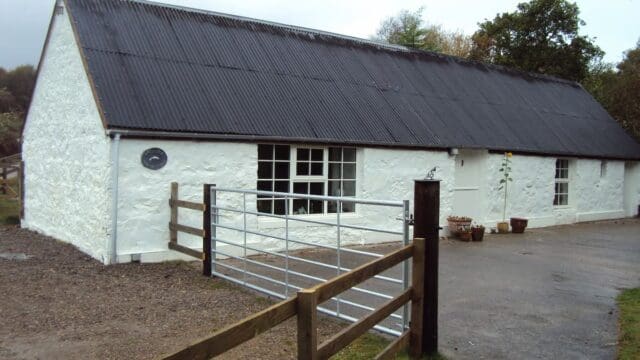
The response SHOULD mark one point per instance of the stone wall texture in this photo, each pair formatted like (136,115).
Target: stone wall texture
(66,151)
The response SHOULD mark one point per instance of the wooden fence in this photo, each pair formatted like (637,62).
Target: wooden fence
(422,336)
(304,305)
(174,227)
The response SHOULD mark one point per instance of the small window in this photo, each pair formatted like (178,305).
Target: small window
(561,196)
(603,168)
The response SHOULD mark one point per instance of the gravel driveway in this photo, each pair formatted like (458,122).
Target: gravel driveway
(57,303)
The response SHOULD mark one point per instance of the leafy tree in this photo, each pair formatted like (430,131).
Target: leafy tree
(623,101)
(540,36)
(15,93)
(20,82)
(409,29)
(406,29)
(10,125)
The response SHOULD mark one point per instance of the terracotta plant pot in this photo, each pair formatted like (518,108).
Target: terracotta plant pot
(503,227)
(458,226)
(477,233)
(465,235)
(518,225)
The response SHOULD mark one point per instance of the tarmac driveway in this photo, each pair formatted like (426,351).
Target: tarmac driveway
(547,294)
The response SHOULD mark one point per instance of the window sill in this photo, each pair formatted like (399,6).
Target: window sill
(563,207)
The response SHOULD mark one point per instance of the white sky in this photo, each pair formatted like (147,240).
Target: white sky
(614,23)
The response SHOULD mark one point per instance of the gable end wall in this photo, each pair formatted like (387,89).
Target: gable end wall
(66,151)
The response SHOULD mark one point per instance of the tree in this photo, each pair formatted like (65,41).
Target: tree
(623,101)
(540,36)
(20,82)
(15,94)
(404,29)
(10,125)
(409,29)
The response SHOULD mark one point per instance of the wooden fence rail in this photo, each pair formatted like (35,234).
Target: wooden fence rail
(305,303)
(175,227)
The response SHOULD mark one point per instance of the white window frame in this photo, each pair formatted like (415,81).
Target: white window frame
(324,178)
(562,180)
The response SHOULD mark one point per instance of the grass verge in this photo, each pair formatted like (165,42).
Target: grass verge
(9,207)
(368,346)
(629,340)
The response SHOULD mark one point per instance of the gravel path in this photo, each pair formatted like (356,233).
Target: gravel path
(61,304)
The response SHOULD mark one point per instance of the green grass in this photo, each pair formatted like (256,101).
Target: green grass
(629,341)
(368,346)
(9,207)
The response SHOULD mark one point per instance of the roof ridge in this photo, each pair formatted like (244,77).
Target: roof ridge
(366,42)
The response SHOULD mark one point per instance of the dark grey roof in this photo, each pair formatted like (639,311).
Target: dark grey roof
(169,69)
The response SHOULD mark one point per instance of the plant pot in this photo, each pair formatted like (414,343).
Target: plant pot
(457,227)
(518,225)
(477,234)
(464,235)
(503,227)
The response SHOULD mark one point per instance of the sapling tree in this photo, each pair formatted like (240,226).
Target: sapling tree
(505,169)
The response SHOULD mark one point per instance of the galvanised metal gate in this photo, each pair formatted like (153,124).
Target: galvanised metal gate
(238,252)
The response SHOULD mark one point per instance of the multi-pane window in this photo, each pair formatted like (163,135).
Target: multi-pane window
(310,171)
(273,175)
(561,196)
(342,176)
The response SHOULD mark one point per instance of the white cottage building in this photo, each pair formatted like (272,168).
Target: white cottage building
(249,104)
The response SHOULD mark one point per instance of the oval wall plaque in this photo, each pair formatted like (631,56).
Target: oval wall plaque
(154,158)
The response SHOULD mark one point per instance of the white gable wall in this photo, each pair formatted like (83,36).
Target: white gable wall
(66,151)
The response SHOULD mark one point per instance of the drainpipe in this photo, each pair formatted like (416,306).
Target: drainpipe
(115,155)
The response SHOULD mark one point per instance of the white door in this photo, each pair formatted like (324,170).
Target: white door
(468,192)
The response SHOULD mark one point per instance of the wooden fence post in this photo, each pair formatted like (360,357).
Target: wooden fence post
(417,300)
(173,233)
(426,209)
(206,225)
(307,325)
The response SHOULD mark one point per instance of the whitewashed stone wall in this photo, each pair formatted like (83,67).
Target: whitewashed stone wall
(143,199)
(66,151)
(591,197)
(382,174)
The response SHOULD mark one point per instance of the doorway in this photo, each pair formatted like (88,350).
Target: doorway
(470,171)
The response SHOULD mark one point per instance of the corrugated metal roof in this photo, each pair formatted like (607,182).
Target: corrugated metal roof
(168,69)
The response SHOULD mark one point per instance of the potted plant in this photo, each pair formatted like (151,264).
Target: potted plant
(465,234)
(477,232)
(458,224)
(505,178)
(518,225)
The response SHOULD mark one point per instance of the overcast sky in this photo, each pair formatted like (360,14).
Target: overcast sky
(614,23)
